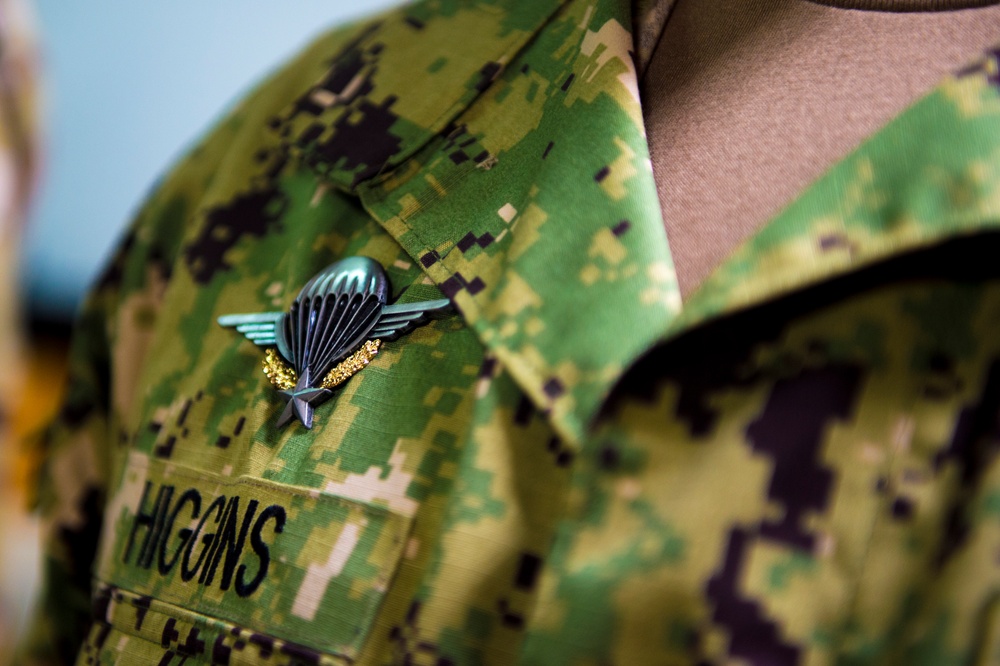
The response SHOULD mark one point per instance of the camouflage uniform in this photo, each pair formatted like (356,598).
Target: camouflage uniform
(797,465)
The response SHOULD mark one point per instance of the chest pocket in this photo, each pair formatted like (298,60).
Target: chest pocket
(239,560)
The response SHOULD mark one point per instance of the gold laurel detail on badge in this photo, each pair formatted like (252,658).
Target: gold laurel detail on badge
(350,365)
(282,376)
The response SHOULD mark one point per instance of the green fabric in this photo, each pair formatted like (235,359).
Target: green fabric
(798,465)
(192,539)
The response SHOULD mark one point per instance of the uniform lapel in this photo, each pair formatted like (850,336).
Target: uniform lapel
(535,211)
(502,145)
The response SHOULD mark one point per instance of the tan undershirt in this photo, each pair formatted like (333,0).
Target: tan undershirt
(748,101)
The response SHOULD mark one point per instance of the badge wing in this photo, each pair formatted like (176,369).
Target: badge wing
(259,328)
(394,321)
(399,319)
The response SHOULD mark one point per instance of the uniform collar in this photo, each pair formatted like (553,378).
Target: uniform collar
(402,77)
(399,80)
(502,145)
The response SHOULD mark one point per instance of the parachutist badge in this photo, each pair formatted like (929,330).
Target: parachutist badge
(333,329)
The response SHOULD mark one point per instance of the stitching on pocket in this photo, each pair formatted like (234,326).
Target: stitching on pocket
(192,635)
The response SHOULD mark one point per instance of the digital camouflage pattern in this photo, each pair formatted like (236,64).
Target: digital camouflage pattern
(798,465)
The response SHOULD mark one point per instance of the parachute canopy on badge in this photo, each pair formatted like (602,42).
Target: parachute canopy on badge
(334,315)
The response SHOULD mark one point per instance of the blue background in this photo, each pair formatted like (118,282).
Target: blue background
(128,86)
